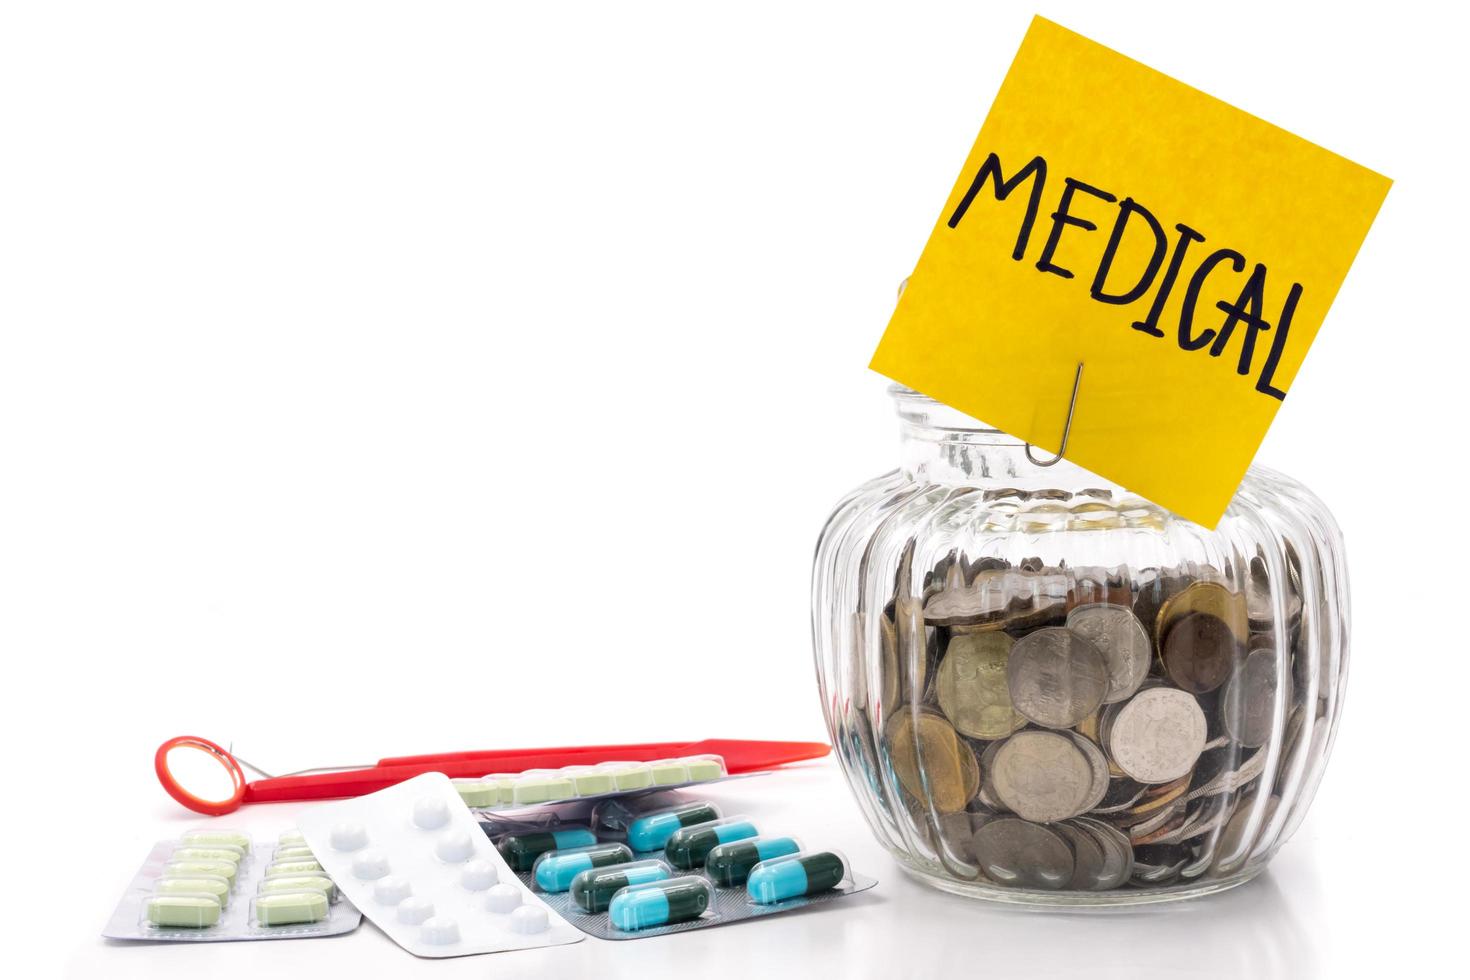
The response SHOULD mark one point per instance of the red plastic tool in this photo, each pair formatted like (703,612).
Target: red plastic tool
(740,755)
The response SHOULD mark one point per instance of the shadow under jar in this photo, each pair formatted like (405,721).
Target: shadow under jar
(1044,689)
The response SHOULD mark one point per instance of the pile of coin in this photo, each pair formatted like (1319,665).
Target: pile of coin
(1085,728)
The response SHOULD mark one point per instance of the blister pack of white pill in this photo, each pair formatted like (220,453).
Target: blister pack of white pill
(415,861)
(217,885)
(500,791)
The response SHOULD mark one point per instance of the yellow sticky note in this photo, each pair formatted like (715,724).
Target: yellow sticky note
(1184,251)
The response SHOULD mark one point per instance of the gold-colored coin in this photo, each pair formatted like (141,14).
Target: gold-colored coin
(931,761)
(972,688)
(1211,598)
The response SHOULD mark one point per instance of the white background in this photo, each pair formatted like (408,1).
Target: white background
(381,378)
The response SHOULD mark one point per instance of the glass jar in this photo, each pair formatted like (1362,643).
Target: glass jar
(1044,689)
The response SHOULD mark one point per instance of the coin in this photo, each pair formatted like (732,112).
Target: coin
(1089,861)
(1235,847)
(987,778)
(1204,597)
(1020,854)
(1117,852)
(1123,642)
(1057,678)
(1101,778)
(1122,794)
(1156,864)
(1042,776)
(931,761)
(1158,735)
(1200,652)
(972,688)
(1248,709)
(1260,600)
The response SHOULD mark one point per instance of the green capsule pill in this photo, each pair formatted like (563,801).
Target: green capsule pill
(182,911)
(652,831)
(208,838)
(594,888)
(212,885)
(291,838)
(521,850)
(301,883)
(279,868)
(193,869)
(795,876)
(232,854)
(728,865)
(660,903)
(298,852)
(290,908)
(689,846)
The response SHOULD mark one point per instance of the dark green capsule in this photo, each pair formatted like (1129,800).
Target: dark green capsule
(594,888)
(521,850)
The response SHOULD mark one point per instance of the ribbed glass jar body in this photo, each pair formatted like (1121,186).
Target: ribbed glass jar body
(1044,689)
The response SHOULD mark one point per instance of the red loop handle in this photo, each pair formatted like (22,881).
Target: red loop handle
(211,808)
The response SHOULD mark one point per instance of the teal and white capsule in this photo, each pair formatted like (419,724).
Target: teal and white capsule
(594,888)
(521,850)
(660,903)
(652,832)
(554,870)
(795,876)
(689,846)
(728,865)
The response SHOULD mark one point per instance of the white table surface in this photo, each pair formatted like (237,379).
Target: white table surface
(1320,910)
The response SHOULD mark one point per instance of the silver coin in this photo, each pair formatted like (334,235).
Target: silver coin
(1057,678)
(1101,778)
(1158,736)
(987,779)
(1117,852)
(1089,860)
(1042,776)
(1120,637)
(1248,708)
(1157,864)
(1235,848)
(1020,854)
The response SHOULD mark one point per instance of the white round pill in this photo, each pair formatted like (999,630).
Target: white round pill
(478,875)
(441,930)
(349,837)
(528,919)
(370,865)
(414,910)
(502,897)
(430,813)
(455,846)
(392,889)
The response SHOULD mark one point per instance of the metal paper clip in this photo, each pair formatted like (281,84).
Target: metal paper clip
(1067,431)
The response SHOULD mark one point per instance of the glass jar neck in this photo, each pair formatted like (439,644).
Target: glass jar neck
(942,445)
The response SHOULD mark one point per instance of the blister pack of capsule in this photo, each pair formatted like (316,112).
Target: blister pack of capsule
(414,860)
(630,869)
(500,791)
(217,885)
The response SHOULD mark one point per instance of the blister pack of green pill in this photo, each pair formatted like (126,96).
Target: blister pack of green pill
(537,787)
(216,885)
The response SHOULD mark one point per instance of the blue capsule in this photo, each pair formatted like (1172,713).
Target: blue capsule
(554,870)
(652,832)
(728,865)
(660,903)
(521,850)
(594,888)
(795,876)
(689,846)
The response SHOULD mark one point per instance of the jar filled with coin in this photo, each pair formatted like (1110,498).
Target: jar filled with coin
(1045,689)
